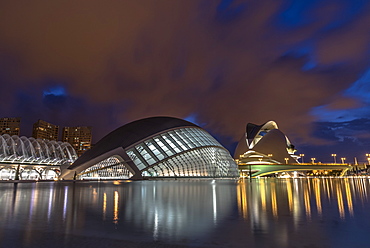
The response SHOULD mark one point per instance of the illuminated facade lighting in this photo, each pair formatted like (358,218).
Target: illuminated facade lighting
(45,130)
(10,126)
(265,144)
(155,147)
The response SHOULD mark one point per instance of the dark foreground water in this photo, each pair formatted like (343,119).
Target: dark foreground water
(197,213)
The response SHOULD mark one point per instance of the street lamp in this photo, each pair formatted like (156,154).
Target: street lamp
(313,160)
(302,155)
(343,160)
(368,157)
(335,158)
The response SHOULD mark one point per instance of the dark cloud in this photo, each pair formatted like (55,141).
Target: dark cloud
(226,62)
(347,139)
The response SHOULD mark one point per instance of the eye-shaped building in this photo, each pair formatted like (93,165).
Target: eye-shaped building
(154,147)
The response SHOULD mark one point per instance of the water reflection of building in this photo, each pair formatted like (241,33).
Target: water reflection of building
(171,209)
(285,207)
(300,198)
(279,209)
(159,210)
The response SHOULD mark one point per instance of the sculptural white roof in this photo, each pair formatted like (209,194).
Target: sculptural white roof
(265,143)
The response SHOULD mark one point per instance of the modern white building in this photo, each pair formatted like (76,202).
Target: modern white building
(30,158)
(156,147)
(265,144)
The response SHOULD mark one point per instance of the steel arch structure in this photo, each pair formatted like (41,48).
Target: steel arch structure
(23,150)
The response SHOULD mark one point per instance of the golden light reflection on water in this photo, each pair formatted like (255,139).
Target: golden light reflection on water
(290,195)
(274,201)
(300,197)
(318,196)
(349,197)
(116,208)
(263,194)
(104,206)
(283,209)
(307,203)
(242,200)
(340,202)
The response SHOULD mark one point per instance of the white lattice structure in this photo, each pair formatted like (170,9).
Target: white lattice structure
(29,158)
(15,149)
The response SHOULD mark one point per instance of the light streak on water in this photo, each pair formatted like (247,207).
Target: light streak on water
(65,202)
(116,207)
(340,202)
(349,197)
(104,206)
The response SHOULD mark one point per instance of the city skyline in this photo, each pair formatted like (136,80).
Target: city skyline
(220,64)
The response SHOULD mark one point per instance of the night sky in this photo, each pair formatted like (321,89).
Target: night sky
(221,64)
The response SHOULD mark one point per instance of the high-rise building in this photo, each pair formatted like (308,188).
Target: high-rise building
(45,130)
(10,126)
(79,137)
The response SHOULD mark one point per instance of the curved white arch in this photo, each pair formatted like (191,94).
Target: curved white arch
(31,150)
(4,151)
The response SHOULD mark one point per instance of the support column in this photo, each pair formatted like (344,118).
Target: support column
(16,177)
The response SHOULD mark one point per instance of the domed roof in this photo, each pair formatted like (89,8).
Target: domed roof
(131,133)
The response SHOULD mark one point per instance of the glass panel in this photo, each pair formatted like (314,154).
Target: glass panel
(163,146)
(169,141)
(145,154)
(179,141)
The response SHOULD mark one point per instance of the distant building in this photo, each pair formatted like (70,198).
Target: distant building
(45,130)
(265,144)
(79,137)
(10,126)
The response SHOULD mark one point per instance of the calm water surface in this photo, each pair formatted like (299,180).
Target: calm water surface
(198,213)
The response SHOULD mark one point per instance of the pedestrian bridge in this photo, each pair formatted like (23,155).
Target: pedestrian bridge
(266,169)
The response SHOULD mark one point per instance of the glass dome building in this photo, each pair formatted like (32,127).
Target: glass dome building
(155,147)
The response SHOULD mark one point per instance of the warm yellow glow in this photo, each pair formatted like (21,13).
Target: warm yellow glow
(290,196)
(327,189)
(104,205)
(318,196)
(263,195)
(349,197)
(307,203)
(116,207)
(274,201)
(242,200)
(340,202)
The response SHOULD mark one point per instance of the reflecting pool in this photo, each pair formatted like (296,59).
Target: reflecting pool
(265,212)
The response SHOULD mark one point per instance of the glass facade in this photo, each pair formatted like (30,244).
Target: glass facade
(181,152)
(111,168)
